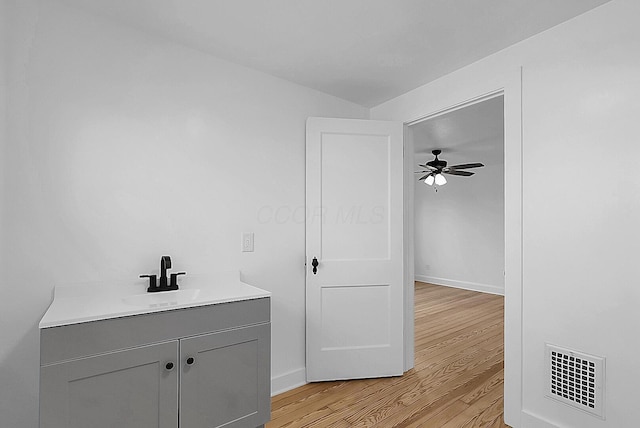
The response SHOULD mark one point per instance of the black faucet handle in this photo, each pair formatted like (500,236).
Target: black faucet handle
(152,282)
(174,280)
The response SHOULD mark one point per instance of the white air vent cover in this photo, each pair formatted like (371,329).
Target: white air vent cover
(576,379)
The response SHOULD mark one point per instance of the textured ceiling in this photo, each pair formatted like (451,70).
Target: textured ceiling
(365,51)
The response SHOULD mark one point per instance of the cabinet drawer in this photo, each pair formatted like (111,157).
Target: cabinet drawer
(96,337)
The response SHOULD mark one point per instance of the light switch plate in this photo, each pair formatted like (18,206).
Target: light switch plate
(247,242)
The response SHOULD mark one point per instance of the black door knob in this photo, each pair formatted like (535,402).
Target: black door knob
(169,366)
(190,361)
(315,263)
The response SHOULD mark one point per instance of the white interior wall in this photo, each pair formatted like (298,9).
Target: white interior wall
(580,90)
(123,147)
(459,230)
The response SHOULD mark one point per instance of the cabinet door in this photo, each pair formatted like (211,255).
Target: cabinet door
(227,382)
(125,389)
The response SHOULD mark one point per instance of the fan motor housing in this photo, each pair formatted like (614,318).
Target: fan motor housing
(437,163)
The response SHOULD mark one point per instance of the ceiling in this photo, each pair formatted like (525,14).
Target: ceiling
(364,51)
(471,134)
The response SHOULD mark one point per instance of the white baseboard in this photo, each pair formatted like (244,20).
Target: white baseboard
(287,381)
(473,286)
(529,420)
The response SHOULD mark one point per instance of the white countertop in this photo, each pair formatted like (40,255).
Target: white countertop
(73,304)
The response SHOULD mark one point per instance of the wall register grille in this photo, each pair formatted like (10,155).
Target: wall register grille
(576,379)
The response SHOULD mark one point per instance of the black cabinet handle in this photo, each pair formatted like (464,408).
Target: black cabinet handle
(315,264)
(190,361)
(169,366)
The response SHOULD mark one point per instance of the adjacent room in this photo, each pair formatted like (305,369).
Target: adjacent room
(193,191)
(459,226)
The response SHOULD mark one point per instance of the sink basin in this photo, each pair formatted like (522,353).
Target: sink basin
(163,298)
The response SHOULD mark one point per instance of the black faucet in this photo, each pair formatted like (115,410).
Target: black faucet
(165,263)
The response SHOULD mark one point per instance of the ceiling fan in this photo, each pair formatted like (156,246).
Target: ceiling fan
(437,167)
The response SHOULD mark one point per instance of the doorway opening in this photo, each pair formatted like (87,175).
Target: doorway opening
(459,226)
(506,275)
(509,88)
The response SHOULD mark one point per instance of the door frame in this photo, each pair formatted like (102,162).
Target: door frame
(459,96)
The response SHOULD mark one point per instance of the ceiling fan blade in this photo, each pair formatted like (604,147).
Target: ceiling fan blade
(462,173)
(466,165)
(422,178)
(428,167)
(421,172)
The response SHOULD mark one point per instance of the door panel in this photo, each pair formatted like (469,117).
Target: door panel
(356,221)
(128,389)
(355,230)
(227,380)
(363,326)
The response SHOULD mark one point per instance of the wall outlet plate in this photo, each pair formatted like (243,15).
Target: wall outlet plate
(247,242)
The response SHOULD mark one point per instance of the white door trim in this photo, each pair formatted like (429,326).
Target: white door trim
(409,258)
(509,85)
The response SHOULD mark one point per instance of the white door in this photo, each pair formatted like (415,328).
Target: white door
(354,229)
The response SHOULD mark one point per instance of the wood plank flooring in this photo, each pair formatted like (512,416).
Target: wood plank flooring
(457,380)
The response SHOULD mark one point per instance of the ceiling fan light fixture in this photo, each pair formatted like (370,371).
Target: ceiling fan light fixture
(429,180)
(436,167)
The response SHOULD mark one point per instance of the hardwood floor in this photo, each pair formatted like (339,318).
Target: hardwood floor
(457,380)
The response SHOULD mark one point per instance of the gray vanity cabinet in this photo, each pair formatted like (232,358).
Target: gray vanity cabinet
(199,367)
